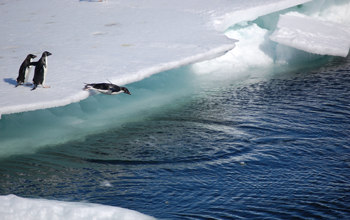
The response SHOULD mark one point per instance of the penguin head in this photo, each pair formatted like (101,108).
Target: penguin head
(125,90)
(46,54)
(31,56)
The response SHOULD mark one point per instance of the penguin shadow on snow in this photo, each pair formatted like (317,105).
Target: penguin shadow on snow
(10,81)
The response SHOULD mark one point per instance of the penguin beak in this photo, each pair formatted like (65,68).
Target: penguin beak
(125,90)
(34,56)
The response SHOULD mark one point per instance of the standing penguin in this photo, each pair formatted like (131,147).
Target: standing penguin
(24,70)
(40,71)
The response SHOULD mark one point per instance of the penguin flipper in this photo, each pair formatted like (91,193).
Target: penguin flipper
(33,64)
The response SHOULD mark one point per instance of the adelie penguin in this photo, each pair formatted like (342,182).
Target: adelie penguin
(40,70)
(24,70)
(107,88)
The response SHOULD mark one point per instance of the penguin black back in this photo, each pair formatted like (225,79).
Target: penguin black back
(107,88)
(40,70)
(24,70)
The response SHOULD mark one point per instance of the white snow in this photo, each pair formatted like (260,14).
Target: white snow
(14,207)
(248,53)
(256,51)
(312,35)
(122,41)
(248,11)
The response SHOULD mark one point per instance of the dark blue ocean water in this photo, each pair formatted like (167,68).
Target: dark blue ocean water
(270,147)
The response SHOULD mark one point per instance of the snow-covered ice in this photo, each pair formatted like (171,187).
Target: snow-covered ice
(14,207)
(122,41)
(312,35)
(255,49)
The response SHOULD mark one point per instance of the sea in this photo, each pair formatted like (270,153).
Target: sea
(272,143)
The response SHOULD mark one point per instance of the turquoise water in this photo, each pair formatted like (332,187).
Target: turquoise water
(271,145)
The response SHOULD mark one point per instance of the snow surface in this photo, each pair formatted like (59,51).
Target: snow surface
(255,50)
(14,207)
(312,35)
(122,41)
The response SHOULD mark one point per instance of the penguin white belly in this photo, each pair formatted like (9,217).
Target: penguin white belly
(45,72)
(26,74)
(107,92)
(116,93)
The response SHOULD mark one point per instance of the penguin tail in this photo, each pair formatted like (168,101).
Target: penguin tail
(35,85)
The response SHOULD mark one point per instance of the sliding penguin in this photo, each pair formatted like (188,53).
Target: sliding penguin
(107,88)
(40,71)
(24,70)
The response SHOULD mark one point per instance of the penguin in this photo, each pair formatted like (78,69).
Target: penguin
(107,88)
(24,70)
(40,70)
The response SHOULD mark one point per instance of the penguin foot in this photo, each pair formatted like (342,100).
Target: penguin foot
(19,83)
(35,85)
(46,87)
